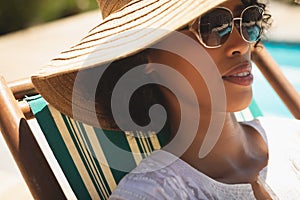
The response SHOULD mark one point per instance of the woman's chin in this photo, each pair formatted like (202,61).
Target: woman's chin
(239,105)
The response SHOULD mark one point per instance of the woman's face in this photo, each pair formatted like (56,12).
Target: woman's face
(232,60)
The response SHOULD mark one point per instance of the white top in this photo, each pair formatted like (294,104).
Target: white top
(156,178)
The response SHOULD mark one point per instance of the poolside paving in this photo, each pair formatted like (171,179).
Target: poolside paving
(286,25)
(24,52)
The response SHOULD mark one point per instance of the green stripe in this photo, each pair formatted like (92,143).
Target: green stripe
(143,138)
(98,173)
(115,138)
(94,169)
(80,147)
(92,165)
(255,110)
(149,143)
(43,116)
(141,147)
(164,136)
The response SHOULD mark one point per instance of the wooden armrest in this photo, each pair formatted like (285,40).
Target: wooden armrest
(272,72)
(26,110)
(22,88)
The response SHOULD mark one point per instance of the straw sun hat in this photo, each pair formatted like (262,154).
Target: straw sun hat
(128,26)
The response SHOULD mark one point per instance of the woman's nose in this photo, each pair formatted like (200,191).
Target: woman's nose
(236,44)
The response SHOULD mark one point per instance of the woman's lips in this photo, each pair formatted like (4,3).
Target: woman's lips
(240,75)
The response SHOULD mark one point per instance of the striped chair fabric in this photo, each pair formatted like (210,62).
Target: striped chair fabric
(84,154)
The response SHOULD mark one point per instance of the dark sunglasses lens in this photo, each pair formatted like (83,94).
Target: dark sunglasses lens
(215,27)
(252,23)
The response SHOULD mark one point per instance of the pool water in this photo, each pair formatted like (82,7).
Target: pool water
(288,58)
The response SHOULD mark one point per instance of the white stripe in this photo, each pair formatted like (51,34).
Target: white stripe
(154,140)
(146,143)
(73,152)
(101,157)
(51,159)
(139,138)
(134,147)
(87,156)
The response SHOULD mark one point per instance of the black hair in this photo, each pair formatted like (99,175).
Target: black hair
(140,101)
(267,17)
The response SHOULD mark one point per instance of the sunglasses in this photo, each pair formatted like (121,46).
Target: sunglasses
(214,28)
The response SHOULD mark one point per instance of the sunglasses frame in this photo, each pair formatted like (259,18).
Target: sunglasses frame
(198,35)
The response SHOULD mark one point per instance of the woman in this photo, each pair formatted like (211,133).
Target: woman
(241,153)
(210,155)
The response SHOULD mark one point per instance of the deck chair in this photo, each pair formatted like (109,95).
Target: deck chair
(80,150)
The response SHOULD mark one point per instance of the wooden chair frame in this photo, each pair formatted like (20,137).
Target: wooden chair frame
(20,139)
(28,155)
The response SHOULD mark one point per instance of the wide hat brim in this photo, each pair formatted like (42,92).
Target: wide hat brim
(136,26)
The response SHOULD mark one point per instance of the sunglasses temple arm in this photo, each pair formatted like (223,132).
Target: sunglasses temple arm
(272,72)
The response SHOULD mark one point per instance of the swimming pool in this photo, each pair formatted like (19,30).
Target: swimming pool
(288,58)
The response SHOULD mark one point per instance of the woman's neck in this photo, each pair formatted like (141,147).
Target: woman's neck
(237,156)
